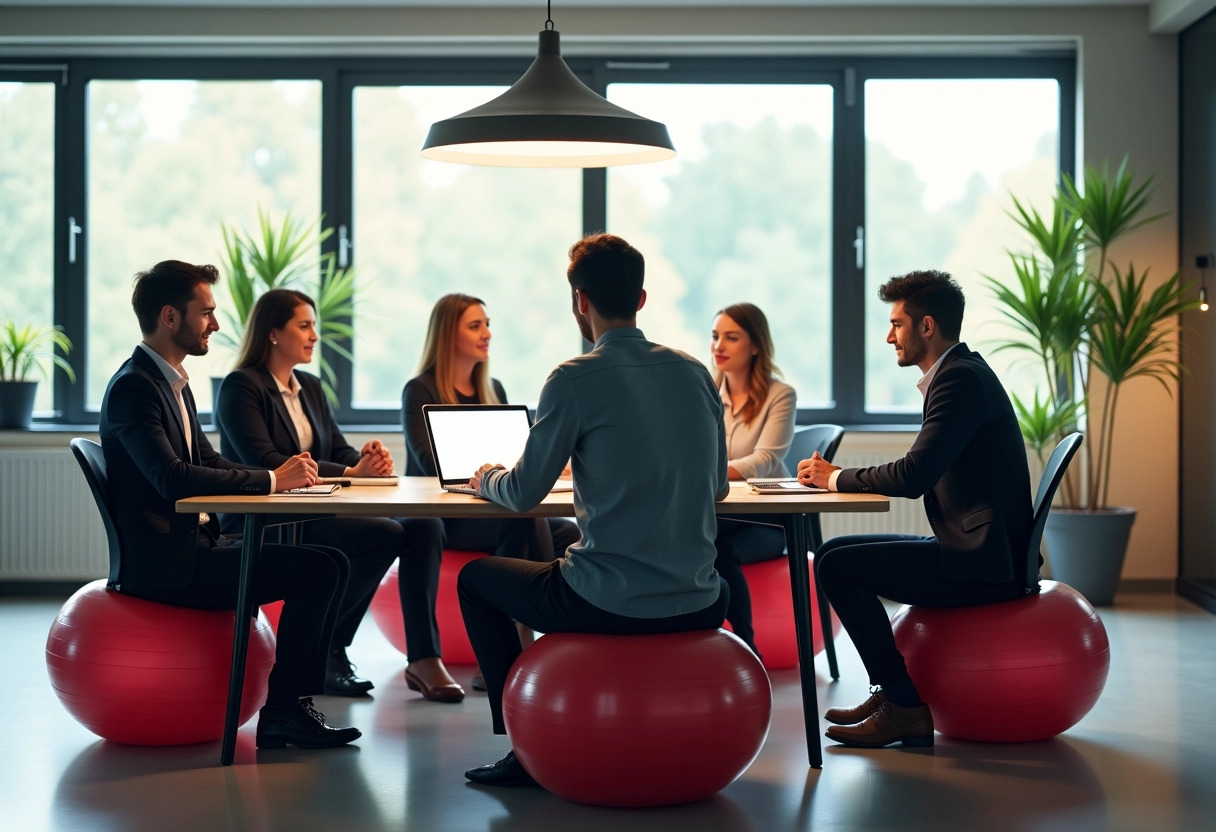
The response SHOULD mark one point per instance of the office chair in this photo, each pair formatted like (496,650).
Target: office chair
(93,464)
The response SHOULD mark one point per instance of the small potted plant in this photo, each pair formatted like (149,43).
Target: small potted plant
(286,256)
(24,350)
(1077,312)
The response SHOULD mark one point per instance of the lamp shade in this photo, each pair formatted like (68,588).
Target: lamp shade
(548,119)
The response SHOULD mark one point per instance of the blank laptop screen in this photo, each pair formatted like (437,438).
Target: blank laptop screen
(465,438)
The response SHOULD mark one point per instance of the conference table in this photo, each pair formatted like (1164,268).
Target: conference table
(422,497)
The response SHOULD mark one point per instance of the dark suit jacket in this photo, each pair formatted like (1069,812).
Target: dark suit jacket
(256,428)
(149,469)
(421,390)
(969,464)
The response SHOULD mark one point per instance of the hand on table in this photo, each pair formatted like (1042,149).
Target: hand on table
(297,472)
(816,471)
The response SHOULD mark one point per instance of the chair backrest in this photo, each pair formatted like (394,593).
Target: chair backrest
(93,464)
(811,438)
(1053,473)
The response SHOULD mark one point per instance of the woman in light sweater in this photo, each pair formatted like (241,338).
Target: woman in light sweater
(759,413)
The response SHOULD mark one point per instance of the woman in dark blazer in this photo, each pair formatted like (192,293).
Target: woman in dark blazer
(266,413)
(455,370)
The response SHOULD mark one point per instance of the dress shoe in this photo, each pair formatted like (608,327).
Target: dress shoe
(447,692)
(479,682)
(506,772)
(889,723)
(340,678)
(300,725)
(852,716)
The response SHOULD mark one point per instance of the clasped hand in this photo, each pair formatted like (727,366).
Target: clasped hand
(816,471)
(375,461)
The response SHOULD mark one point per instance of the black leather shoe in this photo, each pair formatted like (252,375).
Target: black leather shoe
(300,725)
(340,678)
(506,772)
(479,682)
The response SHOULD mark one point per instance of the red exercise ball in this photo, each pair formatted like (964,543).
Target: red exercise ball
(637,720)
(272,611)
(453,641)
(773,613)
(1017,671)
(143,673)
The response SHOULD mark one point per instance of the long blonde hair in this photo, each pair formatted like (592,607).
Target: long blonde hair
(440,346)
(749,317)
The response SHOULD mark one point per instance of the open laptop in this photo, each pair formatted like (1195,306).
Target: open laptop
(466,436)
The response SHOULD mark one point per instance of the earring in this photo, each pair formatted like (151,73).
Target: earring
(274,343)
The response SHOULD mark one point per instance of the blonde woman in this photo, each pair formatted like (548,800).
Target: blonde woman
(758,414)
(455,370)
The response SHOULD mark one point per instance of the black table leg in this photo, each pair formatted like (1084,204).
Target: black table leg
(251,545)
(796,546)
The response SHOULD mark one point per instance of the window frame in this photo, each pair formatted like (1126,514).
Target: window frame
(339,76)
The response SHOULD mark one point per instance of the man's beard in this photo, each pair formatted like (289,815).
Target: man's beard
(915,349)
(584,327)
(189,341)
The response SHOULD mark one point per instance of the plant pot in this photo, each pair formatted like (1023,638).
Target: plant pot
(1085,549)
(17,403)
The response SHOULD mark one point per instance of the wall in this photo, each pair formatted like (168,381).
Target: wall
(1128,103)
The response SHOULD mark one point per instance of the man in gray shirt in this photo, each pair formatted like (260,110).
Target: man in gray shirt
(642,427)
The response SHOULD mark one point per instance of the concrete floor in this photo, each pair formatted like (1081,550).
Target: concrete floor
(1143,759)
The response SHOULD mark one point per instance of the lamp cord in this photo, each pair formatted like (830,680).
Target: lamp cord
(549,15)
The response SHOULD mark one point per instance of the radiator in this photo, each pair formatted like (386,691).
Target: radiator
(50,529)
(49,526)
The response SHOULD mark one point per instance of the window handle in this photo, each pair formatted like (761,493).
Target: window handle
(73,231)
(859,246)
(343,247)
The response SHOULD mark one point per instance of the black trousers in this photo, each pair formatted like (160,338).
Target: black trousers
(309,580)
(372,544)
(496,592)
(857,570)
(530,538)
(748,538)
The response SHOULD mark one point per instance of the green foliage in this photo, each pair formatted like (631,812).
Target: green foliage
(1071,318)
(23,349)
(288,256)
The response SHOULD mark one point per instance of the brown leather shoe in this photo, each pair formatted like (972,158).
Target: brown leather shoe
(889,723)
(852,716)
(446,692)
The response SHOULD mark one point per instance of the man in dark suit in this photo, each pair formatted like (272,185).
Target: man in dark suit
(156,453)
(969,464)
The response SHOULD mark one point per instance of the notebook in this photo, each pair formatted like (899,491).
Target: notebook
(466,436)
(781,485)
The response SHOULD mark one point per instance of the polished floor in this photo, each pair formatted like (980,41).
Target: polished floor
(1144,759)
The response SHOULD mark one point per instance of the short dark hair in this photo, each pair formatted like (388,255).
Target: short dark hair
(273,310)
(609,272)
(168,283)
(929,292)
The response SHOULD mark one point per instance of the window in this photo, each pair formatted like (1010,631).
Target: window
(801,184)
(168,162)
(426,229)
(27,190)
(743,213)
(942,158)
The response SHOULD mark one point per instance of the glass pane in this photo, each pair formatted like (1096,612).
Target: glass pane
(942,158)
(425,229)
(27,192)
(743,213)
(168,162)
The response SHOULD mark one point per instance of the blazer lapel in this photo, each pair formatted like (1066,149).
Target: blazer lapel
(196,430)
(280,408)
(169,400)
(954,354)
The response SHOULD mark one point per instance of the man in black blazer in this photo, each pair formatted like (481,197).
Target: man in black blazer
(969,464)
(156,453)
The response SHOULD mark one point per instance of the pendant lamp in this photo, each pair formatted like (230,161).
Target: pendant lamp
(548,119)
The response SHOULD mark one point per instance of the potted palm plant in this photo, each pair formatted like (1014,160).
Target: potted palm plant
(24,349)
(286,255)
(1076,312)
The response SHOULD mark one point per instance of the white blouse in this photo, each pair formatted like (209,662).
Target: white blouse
(758,449)
(295,409)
